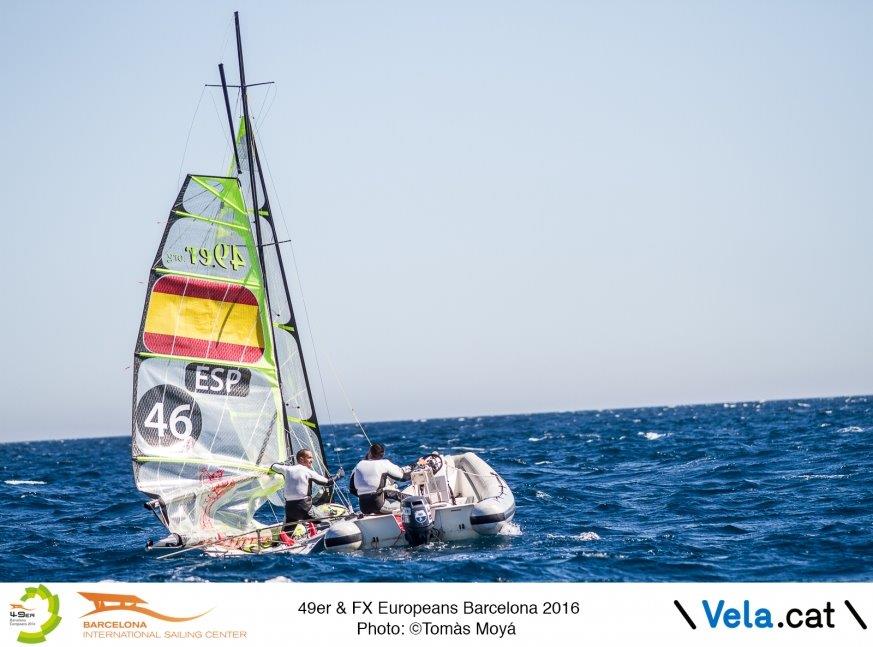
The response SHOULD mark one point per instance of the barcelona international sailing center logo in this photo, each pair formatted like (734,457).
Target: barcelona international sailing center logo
(106,602)
(35,615)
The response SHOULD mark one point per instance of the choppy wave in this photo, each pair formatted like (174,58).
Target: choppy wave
(748,491)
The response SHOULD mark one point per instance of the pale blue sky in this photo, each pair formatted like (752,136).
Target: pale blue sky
(497,206)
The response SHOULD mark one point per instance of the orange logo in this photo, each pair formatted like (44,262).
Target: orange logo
(104,602)
(19,606)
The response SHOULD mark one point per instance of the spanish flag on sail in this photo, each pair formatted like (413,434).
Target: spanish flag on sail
(192,317)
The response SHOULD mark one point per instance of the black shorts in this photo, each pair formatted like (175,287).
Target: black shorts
(371,503)
(298,510)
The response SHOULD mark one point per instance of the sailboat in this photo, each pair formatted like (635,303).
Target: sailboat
(221,391)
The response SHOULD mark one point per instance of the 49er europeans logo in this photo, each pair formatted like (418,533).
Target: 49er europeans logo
(35,615)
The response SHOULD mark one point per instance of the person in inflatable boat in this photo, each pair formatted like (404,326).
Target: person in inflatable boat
(369,482)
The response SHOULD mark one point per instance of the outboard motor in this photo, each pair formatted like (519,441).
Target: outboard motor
(417,520)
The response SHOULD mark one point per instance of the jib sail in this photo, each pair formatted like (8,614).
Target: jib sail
(301,419)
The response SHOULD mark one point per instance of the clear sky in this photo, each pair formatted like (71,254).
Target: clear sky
(496,206)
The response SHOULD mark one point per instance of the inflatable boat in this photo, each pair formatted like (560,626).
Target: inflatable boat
(450,498)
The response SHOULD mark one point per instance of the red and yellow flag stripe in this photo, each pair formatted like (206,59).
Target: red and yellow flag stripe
(207,319)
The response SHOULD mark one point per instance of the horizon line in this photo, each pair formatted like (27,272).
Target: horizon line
(507,415)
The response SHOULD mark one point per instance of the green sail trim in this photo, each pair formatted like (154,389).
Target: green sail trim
(267,371)
(202,461)
(311,425)
(220,223)
(240,146)
(231,186)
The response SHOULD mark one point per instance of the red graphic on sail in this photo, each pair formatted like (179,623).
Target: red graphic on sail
(207,319)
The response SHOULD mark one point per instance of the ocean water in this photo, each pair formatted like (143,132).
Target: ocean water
(752,491)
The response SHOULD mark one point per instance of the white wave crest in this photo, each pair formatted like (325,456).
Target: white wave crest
(587,536)
(651,435)
(510,529)
(14,482)
(850,430)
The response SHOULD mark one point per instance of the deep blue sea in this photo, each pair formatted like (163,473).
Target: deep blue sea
(752,491)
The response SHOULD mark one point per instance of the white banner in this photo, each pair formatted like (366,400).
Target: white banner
(177,614)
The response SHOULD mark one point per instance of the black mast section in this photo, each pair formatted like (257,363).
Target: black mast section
(256,214)
(229,117)
(248,124)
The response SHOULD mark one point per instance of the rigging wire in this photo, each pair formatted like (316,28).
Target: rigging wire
(265,108)
(348,401)
(228,148)
(227,31)
(188,138)
(299,282)
(306,316)
(263,158)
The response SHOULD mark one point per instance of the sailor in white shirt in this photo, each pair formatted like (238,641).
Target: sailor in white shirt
(370,478)
(298,486)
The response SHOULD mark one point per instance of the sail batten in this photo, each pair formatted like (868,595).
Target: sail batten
(199,461)
(209,220)
(246,281)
